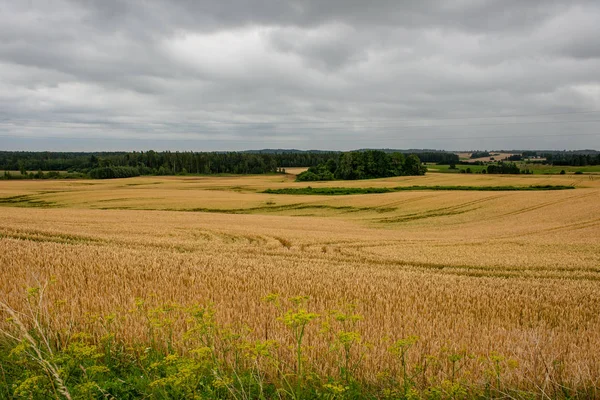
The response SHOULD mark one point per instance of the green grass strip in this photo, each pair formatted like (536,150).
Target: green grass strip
(341,191)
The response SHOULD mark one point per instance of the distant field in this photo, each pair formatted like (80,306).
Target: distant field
(446,168)
(236,193)
(502,278)
(550,169)
(345,191)
(497,157)
(295,170)
(536,168)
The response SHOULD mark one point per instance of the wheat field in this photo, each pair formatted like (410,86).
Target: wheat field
(509,273)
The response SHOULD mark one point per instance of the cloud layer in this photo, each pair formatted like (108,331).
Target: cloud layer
(326,74)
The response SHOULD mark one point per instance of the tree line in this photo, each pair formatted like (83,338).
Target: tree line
(438,157)
(480,154)
(141,163)
(121,164)
(505,168)
(366,164)
(571,159)
(577,158)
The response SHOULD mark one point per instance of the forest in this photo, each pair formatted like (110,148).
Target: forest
(364,165)
(572,159)
(102,165)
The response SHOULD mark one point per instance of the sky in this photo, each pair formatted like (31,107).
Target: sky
(94,75)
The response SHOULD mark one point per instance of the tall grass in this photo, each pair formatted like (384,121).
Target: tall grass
(479,278)
(210,360)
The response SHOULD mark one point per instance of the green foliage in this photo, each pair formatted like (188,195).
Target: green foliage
(480,154)
(211,361)
(366,164)
(526,167)
(114,172)
(170,163)
(341,331)
(6,175)
(503,168)
(377,164)
(515,157)
(318,173)
(572,158)
(341,191)
(249,162)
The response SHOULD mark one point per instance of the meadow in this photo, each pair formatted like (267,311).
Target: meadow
(534,168)
(405,294)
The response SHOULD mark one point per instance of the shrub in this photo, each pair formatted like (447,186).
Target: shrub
(114,172)
(219,361)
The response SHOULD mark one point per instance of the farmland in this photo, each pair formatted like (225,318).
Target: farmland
(534,168)
(496,278)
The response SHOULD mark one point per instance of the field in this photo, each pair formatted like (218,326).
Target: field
(493,157)
(432,167)
(535,168)
(556,169)
(499,283)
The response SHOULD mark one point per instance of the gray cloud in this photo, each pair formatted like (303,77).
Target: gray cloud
(334,74)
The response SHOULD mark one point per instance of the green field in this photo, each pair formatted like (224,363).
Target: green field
(552,169)
(431,167)
(340,191)
(536,168)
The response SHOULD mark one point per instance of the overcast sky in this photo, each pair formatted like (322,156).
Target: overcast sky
(313,74)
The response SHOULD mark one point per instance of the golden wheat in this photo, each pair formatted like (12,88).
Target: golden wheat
(516,273)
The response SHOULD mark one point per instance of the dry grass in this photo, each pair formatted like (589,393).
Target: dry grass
(513,272)
(498,157)
(295,170)
(243,193)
